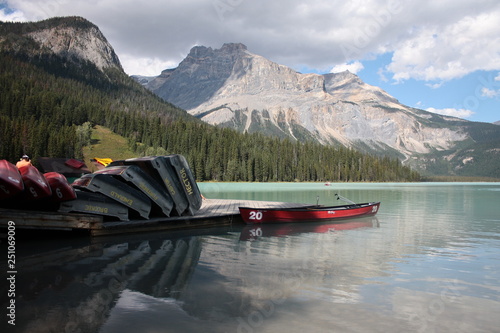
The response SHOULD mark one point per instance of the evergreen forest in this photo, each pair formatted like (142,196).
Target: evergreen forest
(49,105)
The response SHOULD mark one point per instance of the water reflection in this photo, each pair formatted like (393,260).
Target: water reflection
(256,231)
(75,287)
(211,281)
(409,269)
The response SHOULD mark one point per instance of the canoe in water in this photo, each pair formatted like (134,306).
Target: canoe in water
(307,214)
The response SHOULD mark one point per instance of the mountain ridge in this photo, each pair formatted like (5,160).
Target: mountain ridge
(232,87)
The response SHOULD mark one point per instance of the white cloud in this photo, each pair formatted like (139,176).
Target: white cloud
(353,67)
(434,85)
(8,16)
(449,51)
(489,93)
(145,66)
(428,40)
(382,75)
(460,113)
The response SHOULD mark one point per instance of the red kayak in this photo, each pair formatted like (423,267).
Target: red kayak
(307,214)
(11,181)
(61,189)
(35,185)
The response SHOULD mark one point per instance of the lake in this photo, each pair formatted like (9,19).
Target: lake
(429,261)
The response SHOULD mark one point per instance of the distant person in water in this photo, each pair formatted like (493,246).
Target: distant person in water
(24,161)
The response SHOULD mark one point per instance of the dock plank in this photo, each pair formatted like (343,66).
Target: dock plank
(213,212)
(47,220)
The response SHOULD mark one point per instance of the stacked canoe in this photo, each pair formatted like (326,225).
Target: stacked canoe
(26,185)
(143,188)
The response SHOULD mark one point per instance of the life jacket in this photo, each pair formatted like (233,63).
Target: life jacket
(22,163)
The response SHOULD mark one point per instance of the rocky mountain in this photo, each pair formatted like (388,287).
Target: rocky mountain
(232,87)
(71,38)
(55,89)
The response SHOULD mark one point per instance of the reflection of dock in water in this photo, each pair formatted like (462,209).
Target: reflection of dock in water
(69,288)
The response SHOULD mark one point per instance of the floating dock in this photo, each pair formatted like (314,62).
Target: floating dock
(213,212)
(144,194)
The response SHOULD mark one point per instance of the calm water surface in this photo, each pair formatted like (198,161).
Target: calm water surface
(428,262)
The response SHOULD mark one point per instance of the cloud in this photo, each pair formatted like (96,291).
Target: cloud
(434,85)
(449,51)
(11,16)
(459,113)
(353,67)
(489,93)
(145,66)
(428,40)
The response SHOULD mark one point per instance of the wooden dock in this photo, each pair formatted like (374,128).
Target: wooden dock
(213,212)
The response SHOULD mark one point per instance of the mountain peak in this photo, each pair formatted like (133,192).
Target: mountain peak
(233,47)
(228,49)
(73,38)
(204,69)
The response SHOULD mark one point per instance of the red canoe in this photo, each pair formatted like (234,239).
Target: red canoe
(35,185)
(307,214)
(61,189)
(11,181)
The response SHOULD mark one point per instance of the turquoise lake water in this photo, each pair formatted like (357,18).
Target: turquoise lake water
(429,261)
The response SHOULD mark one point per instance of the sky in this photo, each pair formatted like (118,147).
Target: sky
(441,56)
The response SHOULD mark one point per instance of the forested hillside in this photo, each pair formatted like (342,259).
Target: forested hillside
(43,113)
(49,104)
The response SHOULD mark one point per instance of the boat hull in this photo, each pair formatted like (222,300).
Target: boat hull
(173,173)
(116,190)
(35,185)
(307,214)
(143,182)
(11,181)
(61,189)
(157,168)
(185,177)
(95,203)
